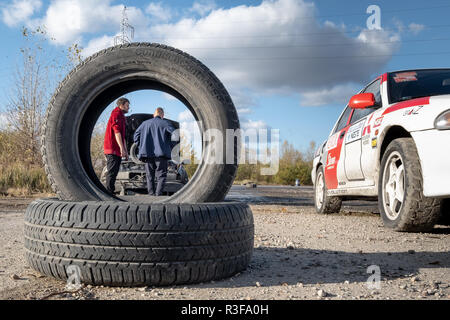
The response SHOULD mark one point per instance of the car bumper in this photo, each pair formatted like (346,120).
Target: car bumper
(434,154)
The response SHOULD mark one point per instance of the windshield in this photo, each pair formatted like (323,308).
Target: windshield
(408,85)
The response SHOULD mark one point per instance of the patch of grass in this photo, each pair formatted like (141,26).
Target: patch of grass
(19,180)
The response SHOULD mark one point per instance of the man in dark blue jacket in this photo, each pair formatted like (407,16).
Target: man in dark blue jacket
(153,138)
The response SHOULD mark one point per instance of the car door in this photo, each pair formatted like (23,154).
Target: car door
(352,149)
(333,176)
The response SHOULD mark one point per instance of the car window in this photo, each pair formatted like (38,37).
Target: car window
(374,88)
(343,120)
(361,113)
(406,85)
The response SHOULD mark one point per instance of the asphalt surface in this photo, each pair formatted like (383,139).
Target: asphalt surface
(290,196)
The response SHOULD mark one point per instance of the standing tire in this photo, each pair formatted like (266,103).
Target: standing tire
(322,202)
(109,74)
(403,207)
(125,244)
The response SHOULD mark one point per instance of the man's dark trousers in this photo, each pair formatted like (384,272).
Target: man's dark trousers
(113,166)
(156,168)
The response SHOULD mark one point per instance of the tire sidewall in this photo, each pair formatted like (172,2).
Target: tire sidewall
(320,171)
(202,90)
(396,224)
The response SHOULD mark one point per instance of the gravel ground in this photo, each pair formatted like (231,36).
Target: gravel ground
(298,255)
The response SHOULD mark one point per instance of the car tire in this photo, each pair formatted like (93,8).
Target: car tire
(111,73)
(126,244)
(401,202)
(322,202)
(133,155)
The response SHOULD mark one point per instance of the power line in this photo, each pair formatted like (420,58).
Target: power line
(293,35)
(312,45)
(331,57)
(329,16)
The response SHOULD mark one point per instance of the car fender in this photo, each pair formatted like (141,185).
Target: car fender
(317,161)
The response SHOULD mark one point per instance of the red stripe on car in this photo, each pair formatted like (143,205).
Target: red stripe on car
(407,104)
(333,157)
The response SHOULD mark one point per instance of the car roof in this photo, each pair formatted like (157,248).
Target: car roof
(410,70)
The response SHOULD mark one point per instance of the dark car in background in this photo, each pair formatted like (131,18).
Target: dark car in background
(131,178)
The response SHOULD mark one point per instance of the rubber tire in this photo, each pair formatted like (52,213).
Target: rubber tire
(419,213)
(124,244)
(108,75)
(330,204)
(133,154)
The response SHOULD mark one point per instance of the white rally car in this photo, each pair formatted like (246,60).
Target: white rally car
(392,141)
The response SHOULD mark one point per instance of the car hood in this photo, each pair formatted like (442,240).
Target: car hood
(416,114)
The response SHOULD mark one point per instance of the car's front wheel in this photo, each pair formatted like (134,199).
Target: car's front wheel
(403,207)
(324,203)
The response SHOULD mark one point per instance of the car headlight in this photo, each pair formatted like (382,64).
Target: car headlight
(442,122)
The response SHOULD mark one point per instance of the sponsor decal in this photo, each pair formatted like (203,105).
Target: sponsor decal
(405,77)
(366,131)
(332,142)
(365,140)
(408,104)
(335,192)
(331,161)
(413,111)
(374,142)
(378,122)
(354,132)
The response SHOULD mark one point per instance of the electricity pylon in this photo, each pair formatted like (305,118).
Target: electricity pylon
(126,30)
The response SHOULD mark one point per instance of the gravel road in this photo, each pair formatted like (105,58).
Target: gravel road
(298,255)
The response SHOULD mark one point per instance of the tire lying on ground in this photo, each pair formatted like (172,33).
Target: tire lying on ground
(109,74)
(124,244)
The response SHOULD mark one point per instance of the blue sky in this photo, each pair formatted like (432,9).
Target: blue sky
(288,64)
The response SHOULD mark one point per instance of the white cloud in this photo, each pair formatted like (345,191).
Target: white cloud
(250,124)
(186,116)
(169,97)
(243,101)
(19,11)
(158,12)
(203,7)
(255,50)
(272,48)
(243,110)
(68,20)
(339,94)
(96,45)
(416,28)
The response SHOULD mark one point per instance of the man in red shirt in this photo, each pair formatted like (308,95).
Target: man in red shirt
(114,145)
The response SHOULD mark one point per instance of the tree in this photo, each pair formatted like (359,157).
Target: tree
(188,155)
(33,83)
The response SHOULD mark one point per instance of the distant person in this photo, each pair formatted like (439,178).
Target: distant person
(154,139)
(114,145)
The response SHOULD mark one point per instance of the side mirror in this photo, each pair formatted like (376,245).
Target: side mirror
(362,101)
